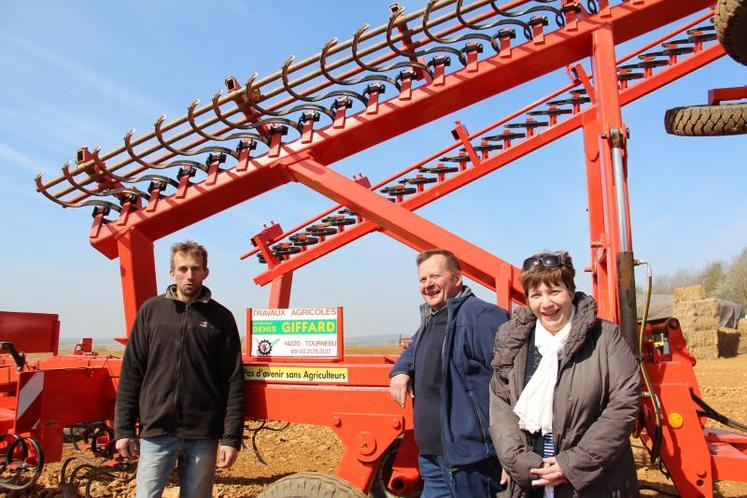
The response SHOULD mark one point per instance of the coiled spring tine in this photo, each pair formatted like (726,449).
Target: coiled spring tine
(335,93)
(559,18)
(43,191)
(184,152)
(164,143)
(469,36)
(219,113)
(389,39)
(131,152)
(197,129)
(328,75)
(490,39)
(285,112)
(71,180)
(286,83)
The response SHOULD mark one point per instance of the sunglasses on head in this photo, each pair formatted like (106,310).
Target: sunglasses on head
(549,260)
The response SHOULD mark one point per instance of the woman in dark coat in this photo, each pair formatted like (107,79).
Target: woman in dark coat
(565,392)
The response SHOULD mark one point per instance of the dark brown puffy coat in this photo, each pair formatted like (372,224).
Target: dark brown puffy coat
(594,409)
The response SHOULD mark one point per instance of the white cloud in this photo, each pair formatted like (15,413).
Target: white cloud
(9,154)
(106,87)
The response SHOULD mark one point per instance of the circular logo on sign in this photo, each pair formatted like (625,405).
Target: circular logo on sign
(264,347)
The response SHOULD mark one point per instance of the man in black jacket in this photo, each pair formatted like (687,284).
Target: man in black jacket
(182,380)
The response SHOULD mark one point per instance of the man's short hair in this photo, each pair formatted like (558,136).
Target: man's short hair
(549,275)
(189,247)
(452,263)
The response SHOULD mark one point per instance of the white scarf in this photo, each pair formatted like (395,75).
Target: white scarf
(534,407)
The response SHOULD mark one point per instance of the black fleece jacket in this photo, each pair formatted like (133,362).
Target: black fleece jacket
(182,372)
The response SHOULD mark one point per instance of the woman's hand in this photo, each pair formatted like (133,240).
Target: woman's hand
(505,478)
(550,474)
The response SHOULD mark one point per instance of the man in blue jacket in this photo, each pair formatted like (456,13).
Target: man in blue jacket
(447,370)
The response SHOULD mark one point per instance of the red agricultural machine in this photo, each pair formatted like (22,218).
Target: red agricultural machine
(291,126)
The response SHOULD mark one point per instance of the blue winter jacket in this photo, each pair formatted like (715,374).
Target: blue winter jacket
(468,350)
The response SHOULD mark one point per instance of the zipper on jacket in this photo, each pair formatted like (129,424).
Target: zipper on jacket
(179,349)
(476,409)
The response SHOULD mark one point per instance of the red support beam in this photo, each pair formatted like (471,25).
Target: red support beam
(603,284)
(138,272)
(280,291)
(477,263)
(396,116)
(585,118)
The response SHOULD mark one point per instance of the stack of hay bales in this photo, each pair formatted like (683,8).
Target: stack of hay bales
(699,318)
(742,329)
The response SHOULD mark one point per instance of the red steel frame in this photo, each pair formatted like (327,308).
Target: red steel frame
(370,432)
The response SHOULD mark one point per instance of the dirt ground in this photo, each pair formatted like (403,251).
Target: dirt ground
(298,448)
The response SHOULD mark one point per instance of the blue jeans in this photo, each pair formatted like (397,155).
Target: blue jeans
(479,480)
(158,455)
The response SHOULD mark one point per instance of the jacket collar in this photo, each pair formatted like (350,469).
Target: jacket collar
(204,297)
(516,332)
(451,304)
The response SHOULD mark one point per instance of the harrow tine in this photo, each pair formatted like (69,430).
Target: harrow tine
(165,144)
(102,193)
(184,152)
(381,69)
(250,126)
(193,125)
(416,53)
(317,98)
(43,191)
(393,17)
(254,96)
(333,79)
(216,109)
(19,469)
(69,177)
(131,152)
(469,36)
(494,24)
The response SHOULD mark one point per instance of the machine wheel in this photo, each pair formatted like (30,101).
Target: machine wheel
(731,26)
(707,120)
(311,485)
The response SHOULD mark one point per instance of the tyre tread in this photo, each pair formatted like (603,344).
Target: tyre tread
(730,20)
(311,485)
(707,120)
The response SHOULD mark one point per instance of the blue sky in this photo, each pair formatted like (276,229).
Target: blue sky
(84,73)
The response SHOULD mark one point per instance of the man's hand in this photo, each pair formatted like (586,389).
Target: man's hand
(127,447)
(399,385)
(550,474)
(226,456)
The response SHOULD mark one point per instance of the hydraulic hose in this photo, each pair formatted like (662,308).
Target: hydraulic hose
(657,436)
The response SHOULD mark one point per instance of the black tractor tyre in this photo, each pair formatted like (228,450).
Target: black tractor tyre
(731,27)
(311,485)
(707,120)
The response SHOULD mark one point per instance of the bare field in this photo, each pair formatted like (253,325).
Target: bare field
(723,383)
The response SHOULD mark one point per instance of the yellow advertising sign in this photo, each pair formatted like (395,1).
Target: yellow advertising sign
(269,373)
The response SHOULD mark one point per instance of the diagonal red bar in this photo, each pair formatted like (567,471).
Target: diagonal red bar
(402,223)
(569,125)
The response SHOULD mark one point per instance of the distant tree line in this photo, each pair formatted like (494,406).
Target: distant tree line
(719,279)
